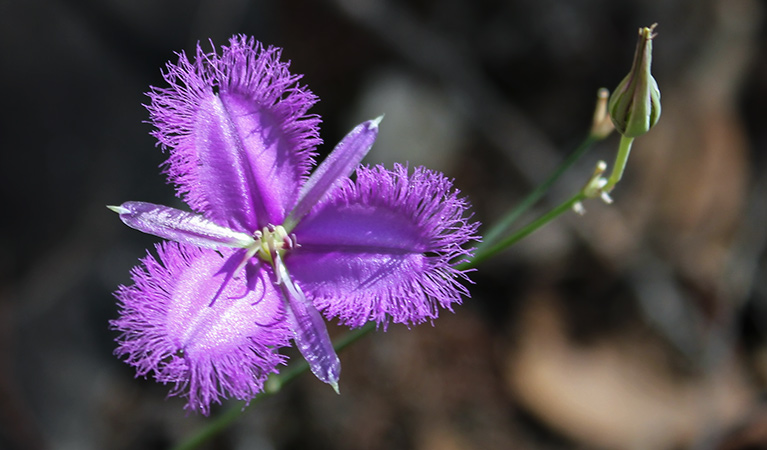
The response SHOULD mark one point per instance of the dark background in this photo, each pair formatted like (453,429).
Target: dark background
(639,325)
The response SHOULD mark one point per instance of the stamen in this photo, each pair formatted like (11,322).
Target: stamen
(249,254)
(271,241)
(290,242)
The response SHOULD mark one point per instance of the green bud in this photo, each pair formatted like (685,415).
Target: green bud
(635,105)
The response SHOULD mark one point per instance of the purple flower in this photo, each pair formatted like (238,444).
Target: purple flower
(269,246)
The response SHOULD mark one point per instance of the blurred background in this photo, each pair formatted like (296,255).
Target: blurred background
(641,325)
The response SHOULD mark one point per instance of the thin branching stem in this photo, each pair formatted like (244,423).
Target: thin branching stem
(273,386)
(502,226)
(515,237)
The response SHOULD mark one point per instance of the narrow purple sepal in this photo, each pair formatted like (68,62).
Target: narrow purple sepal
(385,248)
(180,226)
(339,164)
(238,131)
(309,330)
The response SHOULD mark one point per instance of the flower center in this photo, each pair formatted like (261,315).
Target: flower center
(270,242)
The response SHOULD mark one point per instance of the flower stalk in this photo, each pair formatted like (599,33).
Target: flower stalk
(601,127)
(621,160)
(634,106)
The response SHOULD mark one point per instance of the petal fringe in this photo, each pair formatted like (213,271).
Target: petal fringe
(210,353)
(241,142)
(385,248)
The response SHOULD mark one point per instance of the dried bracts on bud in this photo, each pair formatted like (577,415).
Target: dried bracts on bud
(635,105)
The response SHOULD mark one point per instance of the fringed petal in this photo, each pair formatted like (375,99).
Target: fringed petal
(385,248)
(169,327)
(239,136)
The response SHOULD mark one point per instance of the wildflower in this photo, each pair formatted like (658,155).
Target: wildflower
(269,247)
(635,104)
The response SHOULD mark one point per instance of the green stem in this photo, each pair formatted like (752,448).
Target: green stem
(274,384)
(624,149)
(512,239)
(502,226)
(216,426)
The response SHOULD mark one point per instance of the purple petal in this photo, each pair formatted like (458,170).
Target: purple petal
(384,248)
(240,138)
(309,330)
(180,226)
(338,165)
(169,330)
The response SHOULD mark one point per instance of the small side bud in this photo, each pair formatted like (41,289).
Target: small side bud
(595,185)
(601,124)
(635,104)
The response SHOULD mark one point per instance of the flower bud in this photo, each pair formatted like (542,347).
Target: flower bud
(635,105)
